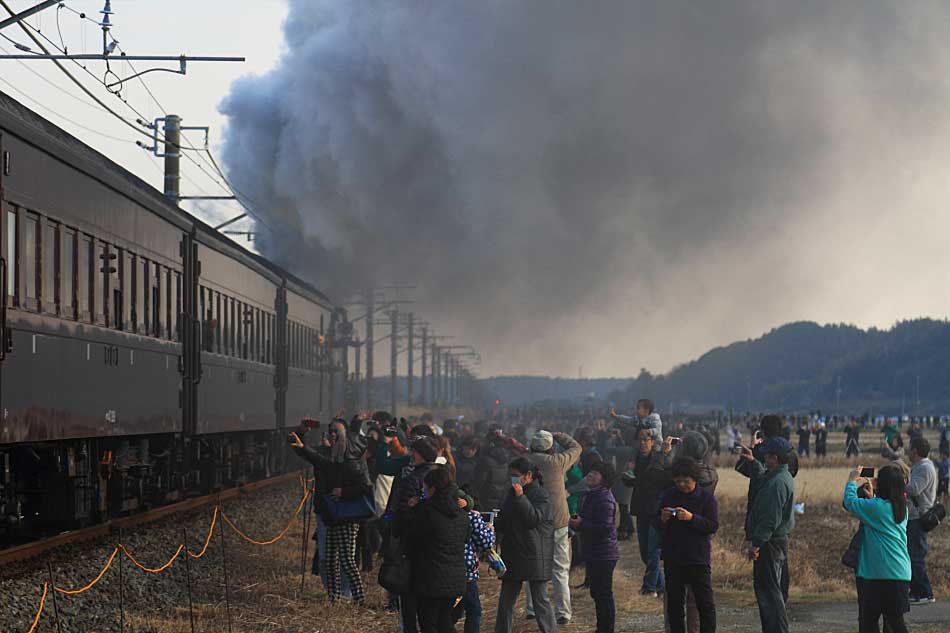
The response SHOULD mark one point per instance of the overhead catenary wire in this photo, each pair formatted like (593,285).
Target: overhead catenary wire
(246,204)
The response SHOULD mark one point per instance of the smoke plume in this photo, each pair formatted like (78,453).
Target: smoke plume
(616,184)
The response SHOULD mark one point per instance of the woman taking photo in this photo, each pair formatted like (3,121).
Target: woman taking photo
(597,522)
(883,574)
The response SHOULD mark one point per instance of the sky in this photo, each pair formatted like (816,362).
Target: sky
(567,187)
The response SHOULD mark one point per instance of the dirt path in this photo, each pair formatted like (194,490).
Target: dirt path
(837,617)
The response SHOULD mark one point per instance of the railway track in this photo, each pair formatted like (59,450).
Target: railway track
(35,548)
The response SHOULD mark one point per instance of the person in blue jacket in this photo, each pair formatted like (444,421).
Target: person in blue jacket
(883,574)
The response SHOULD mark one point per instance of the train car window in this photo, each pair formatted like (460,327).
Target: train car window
(169,332)
(146,297)
(13,292)
(48,256)
(112,288)
(306,347)
(157,300)
(259,335)
(240,348)
(83,266)
(135,301)
(230,331)
(267,338)
(218,326)
(128,290)
(176,315)
(104,264)
(30,268)
(68,266)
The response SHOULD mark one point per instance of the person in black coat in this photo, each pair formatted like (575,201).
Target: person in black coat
(340,473)
(490,480)
(409,486)
(526,527)
(438,530)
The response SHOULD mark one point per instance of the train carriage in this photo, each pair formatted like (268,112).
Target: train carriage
(143,356)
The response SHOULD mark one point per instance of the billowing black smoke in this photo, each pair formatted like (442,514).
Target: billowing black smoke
(615,184)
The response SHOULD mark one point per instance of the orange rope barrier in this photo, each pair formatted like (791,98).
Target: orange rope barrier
(39,612)
(157,570)
(214,519)
(283,532)
(74,592)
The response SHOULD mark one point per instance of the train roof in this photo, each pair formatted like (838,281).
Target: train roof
(43,133)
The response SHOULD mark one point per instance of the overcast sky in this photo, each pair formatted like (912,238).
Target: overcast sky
(612,189)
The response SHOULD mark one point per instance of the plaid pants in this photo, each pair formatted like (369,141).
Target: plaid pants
(341,552)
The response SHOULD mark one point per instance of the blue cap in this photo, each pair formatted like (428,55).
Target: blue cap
(776,445)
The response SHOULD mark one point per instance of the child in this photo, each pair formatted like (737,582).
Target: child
(481,540)
(943,476)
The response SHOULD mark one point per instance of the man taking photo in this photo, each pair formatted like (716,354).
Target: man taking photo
(768,524)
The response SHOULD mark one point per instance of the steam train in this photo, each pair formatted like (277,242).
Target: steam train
(144,357)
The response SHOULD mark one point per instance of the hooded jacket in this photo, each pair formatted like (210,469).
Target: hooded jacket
(491,481)
(526,527)
(553,468)
(696,446)
(438,533)
(770,512)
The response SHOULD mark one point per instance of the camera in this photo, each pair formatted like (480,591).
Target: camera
(735,450)
(675,440)
(673,512)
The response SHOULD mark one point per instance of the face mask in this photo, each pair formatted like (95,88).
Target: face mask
(515,480)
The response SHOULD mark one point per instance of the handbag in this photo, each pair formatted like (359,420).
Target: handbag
(395,573)
(932,517)
(349,510)
(850,556)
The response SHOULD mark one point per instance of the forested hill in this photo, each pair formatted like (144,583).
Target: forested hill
(800,366)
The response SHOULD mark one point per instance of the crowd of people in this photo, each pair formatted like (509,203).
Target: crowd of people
(435,504)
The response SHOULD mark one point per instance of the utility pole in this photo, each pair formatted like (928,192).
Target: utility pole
(423,356)
(409,359)
(172,157)
(436,370)
(356,374)
(838,398)
(368,298)
(918,395)
(393,347)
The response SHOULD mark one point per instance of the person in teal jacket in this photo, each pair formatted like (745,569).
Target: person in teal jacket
(883,574)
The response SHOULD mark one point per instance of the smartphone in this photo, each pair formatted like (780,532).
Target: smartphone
(488,517)
(867,472)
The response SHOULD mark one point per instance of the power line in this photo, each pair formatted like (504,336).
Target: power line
(64,118)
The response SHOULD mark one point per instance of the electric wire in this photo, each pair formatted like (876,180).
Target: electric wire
(28,29)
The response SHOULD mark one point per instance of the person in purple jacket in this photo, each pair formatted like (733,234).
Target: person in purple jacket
(688,517)
(597,521)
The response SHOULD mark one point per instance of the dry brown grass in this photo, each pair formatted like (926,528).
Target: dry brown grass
(266,594)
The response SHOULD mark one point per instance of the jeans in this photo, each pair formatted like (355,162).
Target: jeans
(649,540)
(698,579)
(601,575)
(322,564)
(767,581)
(561,582)
(544,612)
(470,607)
(917,548)
(626,520)
(435,615)
(803,450)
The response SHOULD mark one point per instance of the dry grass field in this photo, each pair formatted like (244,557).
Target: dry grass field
(266,593)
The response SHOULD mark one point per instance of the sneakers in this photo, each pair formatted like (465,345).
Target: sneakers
(647,592)
(922,600)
